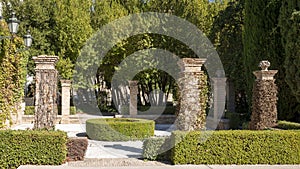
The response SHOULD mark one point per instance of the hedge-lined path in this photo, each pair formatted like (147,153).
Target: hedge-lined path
(171,167)
(105,149)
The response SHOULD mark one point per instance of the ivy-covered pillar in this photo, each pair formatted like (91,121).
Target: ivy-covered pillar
(45,92)
(264,98)
(192,101)
(133,87)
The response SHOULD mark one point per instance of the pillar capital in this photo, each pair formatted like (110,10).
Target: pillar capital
(191,64)
(45,61)
(65,83)
(265,74)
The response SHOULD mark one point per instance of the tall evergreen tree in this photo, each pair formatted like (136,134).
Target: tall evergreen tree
(262,41)
(289,22)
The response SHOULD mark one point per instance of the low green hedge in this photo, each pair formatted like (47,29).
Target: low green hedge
(157,148)
(32,147)
(286,125)
(119,129)
(156,110)
(29,110)
(237,147)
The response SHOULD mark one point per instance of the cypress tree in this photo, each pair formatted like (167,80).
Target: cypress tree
(262,41)
(289,22)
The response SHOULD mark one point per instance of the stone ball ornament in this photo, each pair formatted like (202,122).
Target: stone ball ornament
(264,65)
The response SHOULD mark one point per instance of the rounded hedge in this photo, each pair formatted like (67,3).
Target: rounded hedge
(119,129)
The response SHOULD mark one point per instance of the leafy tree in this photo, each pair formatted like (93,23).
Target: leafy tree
(59,27)
(72,27)
(199,12)
(227,36)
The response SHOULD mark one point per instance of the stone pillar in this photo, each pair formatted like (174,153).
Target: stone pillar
(264,98)
(45,92)
(219,93)
(65,100)
(190,115)
(133,87)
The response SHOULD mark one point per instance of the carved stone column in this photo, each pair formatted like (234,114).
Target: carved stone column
(264,98)
(65,100)
(133,87)
(45,93)
(190,115)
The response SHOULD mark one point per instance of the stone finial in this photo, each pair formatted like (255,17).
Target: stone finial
(264,65)
(265,74)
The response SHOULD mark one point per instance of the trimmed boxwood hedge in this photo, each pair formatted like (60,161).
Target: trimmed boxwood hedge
(29,110)
(24,147)
(119,129)
(286,125)
(237,147)
(157,148)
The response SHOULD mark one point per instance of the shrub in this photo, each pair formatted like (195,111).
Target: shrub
(32,147)
(72,110)
(236,147)
(119,129)
(29,110)
(288,125)
(76,148)
(157,148)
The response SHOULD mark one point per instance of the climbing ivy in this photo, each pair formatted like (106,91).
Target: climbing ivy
(12,75)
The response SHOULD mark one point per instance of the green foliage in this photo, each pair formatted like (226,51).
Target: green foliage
(13,64)
(59,27)
(65,68)
(73,110)
(236,147)
(119,129)
(288,125)
(29,110)
(157,148)
(32,147)
(292,60)
(199,12)
(289,22)
(72,27)
(227,37)
(262,41)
